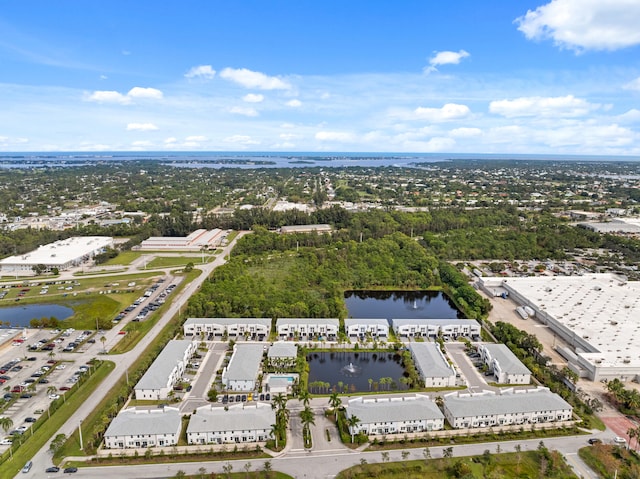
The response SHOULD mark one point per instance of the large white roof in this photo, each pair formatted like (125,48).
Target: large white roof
(602,309)
(61,252)
(132,422)
(372,410)
(232,418)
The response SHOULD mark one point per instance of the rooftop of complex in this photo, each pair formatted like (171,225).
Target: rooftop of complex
(158,373)
(372,410)
(229,321)
(237,417)
(245,362)
(508,361)
(134,421)
(430,360)
(282,349)
(61,252)
(508,402)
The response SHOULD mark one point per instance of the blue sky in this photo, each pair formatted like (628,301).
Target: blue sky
(504,76)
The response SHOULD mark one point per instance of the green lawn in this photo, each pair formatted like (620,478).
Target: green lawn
(9,468)
(608,461)
(124,257)
(174,261)
(528,464)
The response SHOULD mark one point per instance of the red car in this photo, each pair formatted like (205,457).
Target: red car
(122,332)
(64,388)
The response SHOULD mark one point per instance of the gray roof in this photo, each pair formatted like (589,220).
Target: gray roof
(430,361)
(435,321)
(353,321)
(282,349)
(228,321)
(396,409)
(319,321)
(506,403)
(158,373)
(245,362)
(134,421)
(508,361)
(232,418)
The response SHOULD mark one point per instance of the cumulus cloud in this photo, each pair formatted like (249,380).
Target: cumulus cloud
(110,96)
(450,111)
(151,93)
(562,106)
(251,79)
(295,103)
(445,58)
(171,140)
(338,136)
(465,132)
(584,24)
(141,127)
(197,138)
(206,72)
(633,85)
(241,140)
(243,110)
(253,98)
(141,144)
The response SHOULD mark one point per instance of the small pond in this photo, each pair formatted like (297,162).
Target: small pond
(22,315)
(352,371)
(400,305)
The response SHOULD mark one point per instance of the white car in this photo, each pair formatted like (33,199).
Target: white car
(6,442)
(60,367)
(619,440)
(54,396)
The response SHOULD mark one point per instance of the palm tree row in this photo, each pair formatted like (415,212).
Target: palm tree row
(279,429)
(629,398)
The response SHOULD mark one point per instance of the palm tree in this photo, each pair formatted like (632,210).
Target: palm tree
(275,432)
(6,423)
(103,340)
(280,400)
(304,396)
(52,354)
(631,432)
(352,422)
(51,390)
(306,417)
(334,401)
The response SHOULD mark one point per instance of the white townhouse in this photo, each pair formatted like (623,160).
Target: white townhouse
(395,415)
(242,371)
(308,328)
(359,329)
(255,329)
(136,428)
(166,370)
(232,424)
(506,367)
(433,366)
(522,406)
(431,328)
(282,355)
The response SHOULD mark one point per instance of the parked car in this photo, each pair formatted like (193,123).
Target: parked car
(68,470)
(595,440)
(52,469)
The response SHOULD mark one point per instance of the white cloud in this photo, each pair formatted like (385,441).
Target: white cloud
(171,140)
(253,98)
(584,24)
(561,106)
(630,116)
(241,139)
(150,93)
(289,136)
(141,127)
(196,138)
(339,136)
(465,132)
(633,85)
(110,96)
(251,79)
(295,103)
(6,141)
(445,58)
(243,110)
(450,111)
(205,72)
(141,144)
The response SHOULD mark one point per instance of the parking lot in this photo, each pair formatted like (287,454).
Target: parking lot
(31,379)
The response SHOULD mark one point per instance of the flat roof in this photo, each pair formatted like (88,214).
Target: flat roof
(283,349)
(373,410)
(158,373)
(510,401)
(238,417)
(435,321)
(315,321)
(134,421)
(228,321)
(430,360)
(245,362)
(602,309)
(61,252)
(366,321)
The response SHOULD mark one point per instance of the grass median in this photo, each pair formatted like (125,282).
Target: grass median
(12,465)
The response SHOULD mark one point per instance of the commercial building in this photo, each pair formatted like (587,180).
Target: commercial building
(238,423)
(395,415)
(166,370)
(432,365)
(199,239)
(215,328)
(432,328)
(506,367)
(596,315)
(282,356)
(510,407)
(308,328)
(61,255)
(358,329)
(242,371)
(137,428)
(306,229)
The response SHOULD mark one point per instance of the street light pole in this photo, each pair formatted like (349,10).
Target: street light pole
(80,431)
